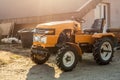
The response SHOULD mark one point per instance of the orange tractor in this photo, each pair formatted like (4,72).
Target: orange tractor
(67,40)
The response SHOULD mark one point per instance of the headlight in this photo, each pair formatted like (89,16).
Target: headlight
(42,39)
(36,38)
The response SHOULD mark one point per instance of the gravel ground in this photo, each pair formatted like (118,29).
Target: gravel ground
(15,64)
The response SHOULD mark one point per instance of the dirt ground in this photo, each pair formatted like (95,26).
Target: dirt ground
(15,64)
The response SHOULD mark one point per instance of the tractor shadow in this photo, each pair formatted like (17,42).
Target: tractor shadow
(87,66)
(50,71)
(41,72)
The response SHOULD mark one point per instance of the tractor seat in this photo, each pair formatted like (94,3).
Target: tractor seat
(97,26)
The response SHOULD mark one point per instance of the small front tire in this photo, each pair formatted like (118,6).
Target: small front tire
(67,58)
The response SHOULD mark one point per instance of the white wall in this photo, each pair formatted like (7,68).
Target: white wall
(115,13)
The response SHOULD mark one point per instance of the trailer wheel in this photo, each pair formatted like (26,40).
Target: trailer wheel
(40,58)
(103,51)
(67,58)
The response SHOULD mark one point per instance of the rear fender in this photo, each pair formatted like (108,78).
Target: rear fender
(109,35)
(100,35)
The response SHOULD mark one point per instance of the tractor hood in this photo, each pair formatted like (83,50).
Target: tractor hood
(54,24)
(59,26)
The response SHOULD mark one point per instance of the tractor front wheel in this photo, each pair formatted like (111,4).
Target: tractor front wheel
(67,58)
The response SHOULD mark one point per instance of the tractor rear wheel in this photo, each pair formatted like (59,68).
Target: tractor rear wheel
(67,58)
(103,51)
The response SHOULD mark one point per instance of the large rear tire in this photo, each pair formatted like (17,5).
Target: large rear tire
(67,58)
(103,51)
